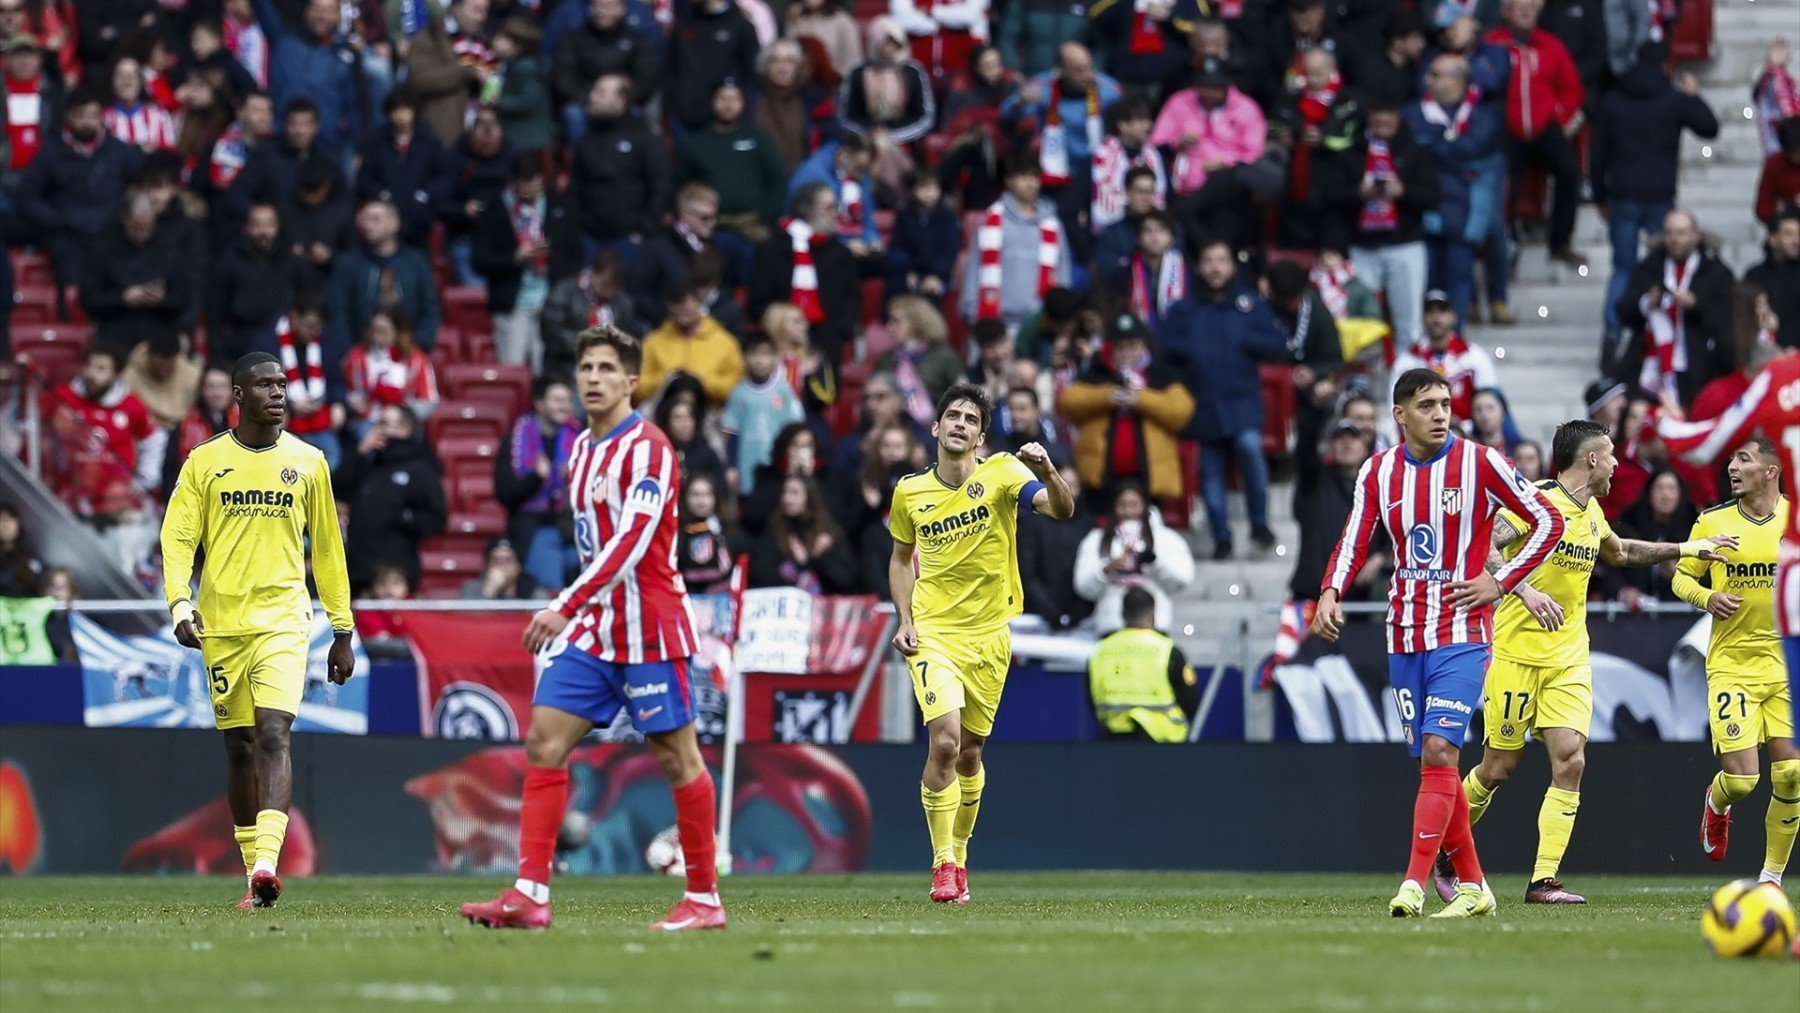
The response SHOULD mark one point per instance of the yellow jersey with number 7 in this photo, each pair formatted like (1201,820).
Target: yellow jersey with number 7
(966,538)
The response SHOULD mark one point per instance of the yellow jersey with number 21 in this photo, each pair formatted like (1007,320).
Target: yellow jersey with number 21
(967,543)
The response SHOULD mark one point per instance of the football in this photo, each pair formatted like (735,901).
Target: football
(1748,919)
(664,854)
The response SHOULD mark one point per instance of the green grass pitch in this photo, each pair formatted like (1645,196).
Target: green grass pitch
(1042,942)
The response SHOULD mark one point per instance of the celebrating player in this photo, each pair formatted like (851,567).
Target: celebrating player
(249,499)
(961,519)
(1541,680)
(620,636)
(1749,702)
(1437,495)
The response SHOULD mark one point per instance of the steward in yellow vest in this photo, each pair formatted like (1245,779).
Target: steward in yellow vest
(1141,684)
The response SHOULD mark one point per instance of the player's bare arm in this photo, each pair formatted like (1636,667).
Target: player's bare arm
(544,627)
(340,661)
(1616,551)
(1055,499)
(1328,617)
(1542,607)
(900,582)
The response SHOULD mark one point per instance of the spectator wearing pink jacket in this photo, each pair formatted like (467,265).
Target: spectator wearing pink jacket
(1215,130)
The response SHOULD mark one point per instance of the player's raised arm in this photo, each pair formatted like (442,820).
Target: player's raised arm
(1051,496)
(1616,551)
(181,529)
(1529,503)
(330,573)
(652,478)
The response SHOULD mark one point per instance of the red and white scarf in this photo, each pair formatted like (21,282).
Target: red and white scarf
(1170,286)
(1315,107)
(1455,366)
(600,313)
(1333,286)
(1665,330)
(804,288)
(1378,214)
(229,154)
(305,369)
(24,119)
(850,205)
(528,226)
(148,125)
(1053,152)
(1111,163)
(1146,32)
(1454,124)
(987,241)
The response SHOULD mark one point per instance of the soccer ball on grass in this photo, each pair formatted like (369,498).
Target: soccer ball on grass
(1748,919)
(664,855)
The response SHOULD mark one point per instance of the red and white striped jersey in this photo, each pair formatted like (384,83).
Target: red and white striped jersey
(149,125)
(629,604)
(1440,517)
(1771,406)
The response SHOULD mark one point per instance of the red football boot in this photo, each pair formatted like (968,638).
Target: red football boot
(249,900)
(962,885)
(945,888)
(510,910)
(1551,891)
(267,888)
(1715,828)
(691,915)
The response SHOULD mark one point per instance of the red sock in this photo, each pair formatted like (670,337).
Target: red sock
(695,821)
(1459,840)
(1431,815)
(540,817)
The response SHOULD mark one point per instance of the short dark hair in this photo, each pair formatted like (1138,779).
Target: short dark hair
(164,342)
(989,331)
(1765,447)
(527,166)
(1138,607)
(314,173)
(158,167)
(609,262)
(1138,172)
(1020,162)
(300,104)
(1061,304)
(86,95)
(1287,280)
(807,197)
(919,177)
(308,302)
(1157,216)
(111,352)
(1413,381)
(240,371)
(1131,107)
(856,144)
(1025,392)
(630,349)
(1571,436)
(541,384)
(757,339)
(402,97)
(963,390)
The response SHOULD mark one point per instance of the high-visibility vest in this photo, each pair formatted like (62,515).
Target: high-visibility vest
(1129,677)
(22,637)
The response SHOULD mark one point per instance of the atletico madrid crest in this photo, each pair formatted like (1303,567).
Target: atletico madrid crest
(1451,500)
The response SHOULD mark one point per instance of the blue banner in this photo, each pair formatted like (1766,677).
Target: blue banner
(150,681)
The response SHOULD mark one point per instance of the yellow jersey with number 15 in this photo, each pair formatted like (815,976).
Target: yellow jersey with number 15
(1745,648)
(967,543)
(1564,577)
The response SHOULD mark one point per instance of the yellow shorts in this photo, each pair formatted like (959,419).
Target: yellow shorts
(1523,698)
(258,670)
(961,672)
(1745,715)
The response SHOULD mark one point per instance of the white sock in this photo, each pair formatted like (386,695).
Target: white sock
(709,899)
(1769,877)
(538,892)
(262,865)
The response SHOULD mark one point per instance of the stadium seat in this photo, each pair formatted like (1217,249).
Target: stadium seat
(873,302)
(460,447)
(467,418)
(1692,37)
(485,523)
(443,570)
(74,336)
(451,345)
(473,489)
(33,306)
(465,308)
(53,364)
(505,385)
(31,269)
(1278,409)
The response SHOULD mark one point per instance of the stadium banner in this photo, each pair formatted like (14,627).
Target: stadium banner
(150,681)
(1649,683)
(104,800)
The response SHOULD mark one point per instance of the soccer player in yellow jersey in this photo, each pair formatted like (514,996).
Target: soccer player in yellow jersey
(1749,701)
(249,499)
(955,577)
(1541,679)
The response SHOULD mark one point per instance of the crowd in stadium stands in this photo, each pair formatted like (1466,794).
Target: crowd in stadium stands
(1174,239)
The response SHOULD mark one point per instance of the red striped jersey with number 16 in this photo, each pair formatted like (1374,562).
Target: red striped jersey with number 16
(1440,515)
(629,604)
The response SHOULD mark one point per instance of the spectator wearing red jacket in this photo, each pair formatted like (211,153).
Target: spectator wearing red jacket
(104,450)
(387,368)
(1544,97)
(1779,188)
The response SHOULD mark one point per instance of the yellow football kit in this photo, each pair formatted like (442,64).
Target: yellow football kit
(1541,678)
(968,583)
(1746,674)
(250,512)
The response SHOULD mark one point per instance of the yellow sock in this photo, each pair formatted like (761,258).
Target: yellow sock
(1556,821)
(246,838)
(1479,796)
(1728,788)
(1784,815)
(964,826)
(271,831)
(940,817)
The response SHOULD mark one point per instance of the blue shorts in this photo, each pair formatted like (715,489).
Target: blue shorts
(1437,691)
(654,694)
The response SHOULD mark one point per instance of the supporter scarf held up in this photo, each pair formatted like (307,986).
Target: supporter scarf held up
(1379,214)
(1053,150)
(804,287)
(1151,298)
(1315,106)
(1665,330)
(1111,162)
(305,370)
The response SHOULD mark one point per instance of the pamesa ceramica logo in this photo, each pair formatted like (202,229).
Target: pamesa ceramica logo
(469,710)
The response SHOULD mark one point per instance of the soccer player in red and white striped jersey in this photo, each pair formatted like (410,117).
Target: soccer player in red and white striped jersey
(619,638)
(1437,495)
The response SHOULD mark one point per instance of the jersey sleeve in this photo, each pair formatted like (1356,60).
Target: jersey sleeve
(1704,441)
(1018,482)
(1353,546)
(182,526)
(1542,522)
(649,484)
(900,520)
(330,574)
(1689,572)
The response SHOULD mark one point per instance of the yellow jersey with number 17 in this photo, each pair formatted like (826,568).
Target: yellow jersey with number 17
(967,542)
(1564,577)
(1745,648)
(250,511)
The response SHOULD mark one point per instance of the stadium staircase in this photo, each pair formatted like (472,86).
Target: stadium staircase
(1546,359)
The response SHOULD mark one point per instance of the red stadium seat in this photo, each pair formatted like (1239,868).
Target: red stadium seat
(469,418)
(457,448)
(506,385)
(32,270)
(75,336)
(1278,409)
(465,308)
(444,569)
(451,345)
(34,306)
(486,523)
(53,365)
(442,586)
(473,489)
(1692,37)
(873,302)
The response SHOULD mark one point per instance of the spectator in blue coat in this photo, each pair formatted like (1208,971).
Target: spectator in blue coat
(406,165)
(312,62)
(73,190)
(1217,340)
(927,237)
(1465,139)
(379,273)
(846,160)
